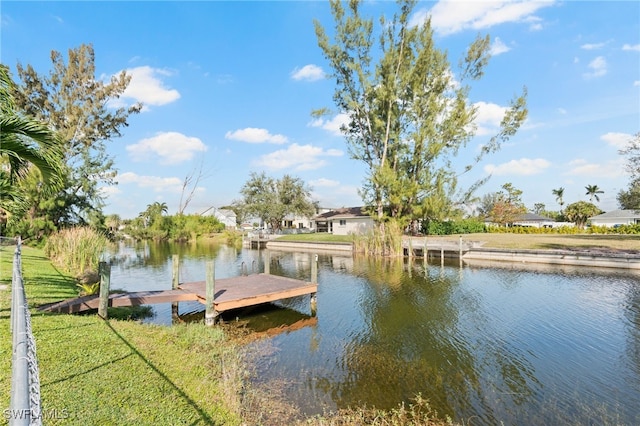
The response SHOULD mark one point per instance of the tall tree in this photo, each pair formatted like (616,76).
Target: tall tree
(77,105)
(272,200)
(592,192)
(408,114)
(24,143)
(630,198)
(559,193)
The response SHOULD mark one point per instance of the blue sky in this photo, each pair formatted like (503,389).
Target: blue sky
(229,86)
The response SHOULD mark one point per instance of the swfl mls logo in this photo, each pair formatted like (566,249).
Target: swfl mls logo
(35,414)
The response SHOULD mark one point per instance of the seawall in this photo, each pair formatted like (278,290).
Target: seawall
(310,246)
(556,257)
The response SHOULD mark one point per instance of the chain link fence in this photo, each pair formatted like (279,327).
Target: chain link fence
(25,378)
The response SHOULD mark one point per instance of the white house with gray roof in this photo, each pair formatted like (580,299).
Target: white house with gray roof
(616,218)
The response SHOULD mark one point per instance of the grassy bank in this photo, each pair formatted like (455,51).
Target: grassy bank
(118,372)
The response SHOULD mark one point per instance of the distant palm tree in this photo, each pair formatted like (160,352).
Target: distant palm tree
(593,191)
(559,193)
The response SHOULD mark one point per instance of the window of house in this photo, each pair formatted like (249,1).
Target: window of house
(343,222)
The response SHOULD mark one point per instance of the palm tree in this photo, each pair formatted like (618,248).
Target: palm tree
(24,142)
(559,193)
(593,191)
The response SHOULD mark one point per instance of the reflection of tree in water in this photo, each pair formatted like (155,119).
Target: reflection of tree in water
(417,342)
(158,254)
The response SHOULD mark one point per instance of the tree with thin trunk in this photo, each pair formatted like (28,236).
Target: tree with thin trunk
(592,192)
(559,193)
(408,114)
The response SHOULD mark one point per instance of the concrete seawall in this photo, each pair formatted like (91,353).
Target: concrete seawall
(310,246)
(556,257)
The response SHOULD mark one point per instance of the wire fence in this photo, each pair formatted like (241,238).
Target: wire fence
(25,378)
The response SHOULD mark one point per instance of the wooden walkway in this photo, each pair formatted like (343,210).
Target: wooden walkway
(230,293)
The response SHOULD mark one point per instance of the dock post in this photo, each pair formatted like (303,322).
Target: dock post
(175,282)
(267,262)
(410,247)
(460,250)
(441,255)
(314,279)
(210,290)
(105,281)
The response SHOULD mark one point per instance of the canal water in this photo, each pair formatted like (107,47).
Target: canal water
(484,343)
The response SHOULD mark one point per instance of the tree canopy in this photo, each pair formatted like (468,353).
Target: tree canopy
(580,212)
(408,114)
(630,198)
(79,107)
(272,200)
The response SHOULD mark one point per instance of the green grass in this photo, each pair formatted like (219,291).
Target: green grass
(118,372)
(317,237)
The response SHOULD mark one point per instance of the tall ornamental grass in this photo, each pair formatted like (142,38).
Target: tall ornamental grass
(76,250)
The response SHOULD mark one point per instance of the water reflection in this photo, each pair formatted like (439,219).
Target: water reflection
(508,343)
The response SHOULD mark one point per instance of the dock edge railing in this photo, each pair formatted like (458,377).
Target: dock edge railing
(25,406)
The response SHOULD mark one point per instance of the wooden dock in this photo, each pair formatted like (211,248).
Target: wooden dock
(230,293)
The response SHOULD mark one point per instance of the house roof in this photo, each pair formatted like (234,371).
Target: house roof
(343,213)
(532,217)
(619,214)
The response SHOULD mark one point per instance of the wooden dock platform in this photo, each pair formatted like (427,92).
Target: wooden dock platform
(230,293)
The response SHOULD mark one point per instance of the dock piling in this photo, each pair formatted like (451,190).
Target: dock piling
(313,302)
(267,262)
(104,270)
(175,282)
(210,291)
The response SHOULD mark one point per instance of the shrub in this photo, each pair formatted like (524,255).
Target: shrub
(76,250)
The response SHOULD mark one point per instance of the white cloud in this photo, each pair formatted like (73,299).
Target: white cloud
(309,72)
(610,169)
(147,87)
(171,147)
(523,166)
(498,47)
(488,117)
(449,16)
(297,157)
(562,111)
(333,125)
(255,135)
(109,190)
(635,47)
(598,68)
(156,183)
(618,140)
(636,83)
(592,46)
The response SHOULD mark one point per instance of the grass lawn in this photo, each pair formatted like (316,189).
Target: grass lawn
(118,372)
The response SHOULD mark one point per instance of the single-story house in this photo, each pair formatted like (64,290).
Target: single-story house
(534,220)
(616,218)
(344,221)
(225,216)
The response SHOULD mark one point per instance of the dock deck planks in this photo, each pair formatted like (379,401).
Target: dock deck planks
(231,293)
